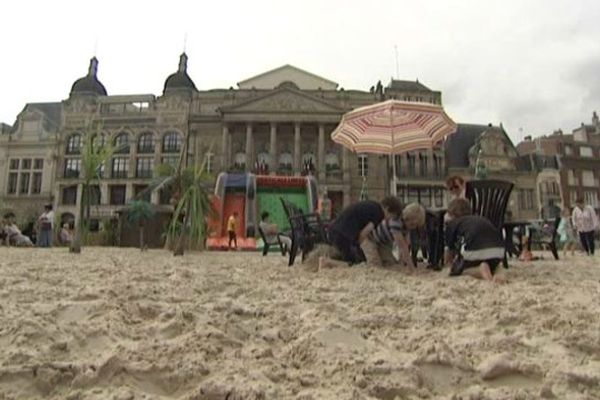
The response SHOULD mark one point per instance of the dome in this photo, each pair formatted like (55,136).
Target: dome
(180,80)
(89,84)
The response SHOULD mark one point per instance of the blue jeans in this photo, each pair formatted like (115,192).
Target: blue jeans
(45,238)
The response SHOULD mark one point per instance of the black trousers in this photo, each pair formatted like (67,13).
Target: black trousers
(587,241)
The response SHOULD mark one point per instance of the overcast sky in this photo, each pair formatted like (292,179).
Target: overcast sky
(533,64)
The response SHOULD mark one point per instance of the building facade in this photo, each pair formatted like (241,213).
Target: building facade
(578,158)
(278,122)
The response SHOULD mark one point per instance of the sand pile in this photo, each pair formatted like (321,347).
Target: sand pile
(120,324)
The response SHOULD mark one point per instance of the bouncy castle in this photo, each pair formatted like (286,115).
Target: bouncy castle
(250,195)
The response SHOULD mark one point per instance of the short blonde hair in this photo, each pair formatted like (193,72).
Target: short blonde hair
(414,212)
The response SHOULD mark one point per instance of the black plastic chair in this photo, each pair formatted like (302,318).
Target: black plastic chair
(306,230)
(489,199)
(548,240)
(267,244)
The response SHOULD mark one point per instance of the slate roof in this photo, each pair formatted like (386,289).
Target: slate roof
(180,80)
(409,86)
(458,144)
(89,84)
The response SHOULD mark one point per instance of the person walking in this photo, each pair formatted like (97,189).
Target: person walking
(585,221)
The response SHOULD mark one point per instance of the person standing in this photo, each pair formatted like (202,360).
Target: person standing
(586,222)
(46,227)
(231,228)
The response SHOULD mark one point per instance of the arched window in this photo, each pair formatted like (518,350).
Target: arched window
(98,141)
(171,143)
(286,161)
(146,143)
(74,144)
(122,143)
(239,161)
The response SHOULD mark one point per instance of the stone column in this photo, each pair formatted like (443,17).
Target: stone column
(345,166)
(430,163)
(273,149)
(132,158)
(321,153)
(249,158)
(297,149)
(225,156)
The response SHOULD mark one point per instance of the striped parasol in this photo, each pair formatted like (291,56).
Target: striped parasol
(393,127)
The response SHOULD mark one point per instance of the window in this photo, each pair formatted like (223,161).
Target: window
(411,164)
(439,197)
(164,196)
(146,143)
(573,181)
(208,167)
(425,197)
(100,170)
(573,196)
(74,144)
(122,143)
(568,150)
(363,165)
(587,178)
(120,166)
(173,161)
(69,195)
(12,183)
(38,163)
(423,164)
(98,142)
(413,195)
(117,194)
(526,199)
(585,151)
(398,161)
(14,163)
(138,189)
(26,163)
(36,184)
(171,143)
(591,198)
(72,168)
(145,167)
(437,165)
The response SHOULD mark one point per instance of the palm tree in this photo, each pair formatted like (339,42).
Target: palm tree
(93,158)
(140,212)
(193,207)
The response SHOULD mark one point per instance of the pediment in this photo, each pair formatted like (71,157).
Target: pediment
(304,80)
(287,101)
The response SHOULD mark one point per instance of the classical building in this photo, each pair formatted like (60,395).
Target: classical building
(578,158)
(278,122)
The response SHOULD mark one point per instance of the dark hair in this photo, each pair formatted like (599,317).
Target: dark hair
(579,200)
(459,208)
(454,181)
(264,215)
(48,207)
(393,205)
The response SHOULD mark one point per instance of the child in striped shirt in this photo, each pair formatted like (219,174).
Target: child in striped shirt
(394,230)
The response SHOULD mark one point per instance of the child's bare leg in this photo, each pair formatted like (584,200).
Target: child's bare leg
(499,276)
(482,272)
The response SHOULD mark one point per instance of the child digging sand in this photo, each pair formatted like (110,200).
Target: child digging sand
(473,245)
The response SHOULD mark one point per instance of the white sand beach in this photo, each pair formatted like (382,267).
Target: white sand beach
(115,323)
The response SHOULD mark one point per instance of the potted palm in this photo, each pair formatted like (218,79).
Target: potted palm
(139,213)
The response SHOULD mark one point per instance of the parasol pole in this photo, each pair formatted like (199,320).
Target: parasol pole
(392,153)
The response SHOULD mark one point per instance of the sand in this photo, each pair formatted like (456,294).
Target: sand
(120,324)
